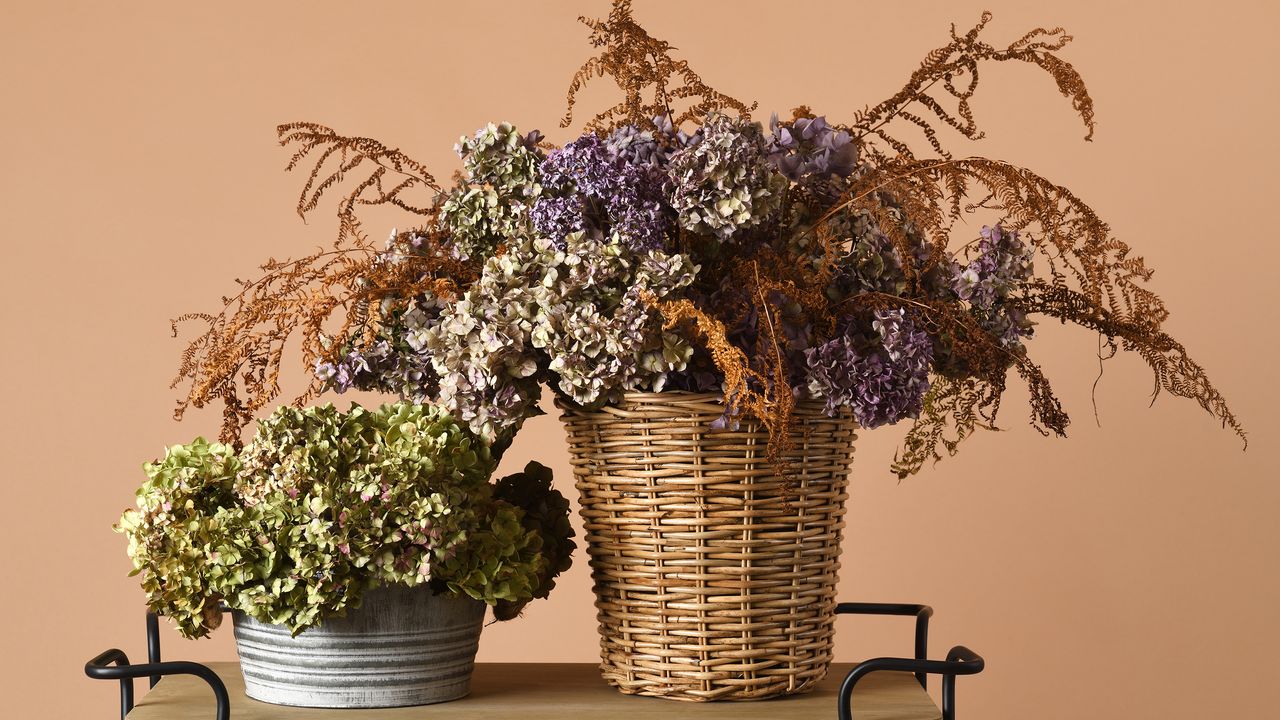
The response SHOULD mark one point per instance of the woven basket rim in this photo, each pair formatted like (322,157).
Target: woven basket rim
(666,397)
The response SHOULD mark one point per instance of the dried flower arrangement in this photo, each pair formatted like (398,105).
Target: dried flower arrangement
(677,245)
(323,505)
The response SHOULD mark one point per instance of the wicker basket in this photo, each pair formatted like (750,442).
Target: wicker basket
(713,581)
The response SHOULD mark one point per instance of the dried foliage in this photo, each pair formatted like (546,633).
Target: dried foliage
(649,78)
(739,378)
(953,409)
(1173,370)
(915,200)
(1094,281)
(392,177)
(949,76)
(325,295)
(331,293)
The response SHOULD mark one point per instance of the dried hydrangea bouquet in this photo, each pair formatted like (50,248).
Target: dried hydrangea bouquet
(716,304)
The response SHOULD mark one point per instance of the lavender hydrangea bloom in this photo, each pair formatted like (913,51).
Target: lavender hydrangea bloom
(556,217)
(637,207)
(881,376)
(631,146)
(605,187)
(584,164)
(341,375)
(398,363)
(1003,261)
(811,147)
(724,182)
(671,134)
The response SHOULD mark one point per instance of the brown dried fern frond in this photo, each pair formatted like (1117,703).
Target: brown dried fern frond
(1093,281)
(1073,240)
(939,93)
(646,73)
(1173,369)
(391,177)
(748,392)
(1076,244)
(953,410)
(326,295)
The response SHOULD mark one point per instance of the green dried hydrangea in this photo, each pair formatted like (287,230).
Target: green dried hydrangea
(177,535)
(324,505)
(602,338)
(501,167)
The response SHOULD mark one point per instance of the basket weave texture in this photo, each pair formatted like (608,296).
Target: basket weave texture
(714,576)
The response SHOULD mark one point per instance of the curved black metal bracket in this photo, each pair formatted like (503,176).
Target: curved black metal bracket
(960,661)
(922,614)
(114,665)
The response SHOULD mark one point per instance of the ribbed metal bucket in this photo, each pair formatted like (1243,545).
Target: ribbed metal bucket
(402,646)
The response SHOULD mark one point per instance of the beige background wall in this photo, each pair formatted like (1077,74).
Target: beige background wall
(1129,571)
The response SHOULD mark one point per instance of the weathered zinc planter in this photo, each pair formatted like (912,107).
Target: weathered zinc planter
(402,646)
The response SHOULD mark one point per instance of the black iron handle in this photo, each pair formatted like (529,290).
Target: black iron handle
(960,661)
(114,665)
(922,614)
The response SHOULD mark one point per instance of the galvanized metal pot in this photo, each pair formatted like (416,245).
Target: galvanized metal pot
(402,646)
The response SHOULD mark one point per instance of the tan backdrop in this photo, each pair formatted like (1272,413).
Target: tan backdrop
(1129,571)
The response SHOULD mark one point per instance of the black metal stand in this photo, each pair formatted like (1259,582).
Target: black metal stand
(114,664)
(960,660)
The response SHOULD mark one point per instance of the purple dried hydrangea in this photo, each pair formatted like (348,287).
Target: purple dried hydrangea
(882,376)
(605,186)
(870,264)
(584,165)
(673,136)
(632,146)
(1002,263)
(341,375)
(638,209)
(810,147)
(556,217)
(397,363)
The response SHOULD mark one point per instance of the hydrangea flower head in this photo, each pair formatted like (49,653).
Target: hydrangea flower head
(808,146)
(605,187)
(725,182)
(501,167)
(1002,262)
(881,375)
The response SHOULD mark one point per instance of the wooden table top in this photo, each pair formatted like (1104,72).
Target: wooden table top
(552,691)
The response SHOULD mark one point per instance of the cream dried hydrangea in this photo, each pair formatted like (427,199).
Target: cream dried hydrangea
(725,182)
(573,308)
